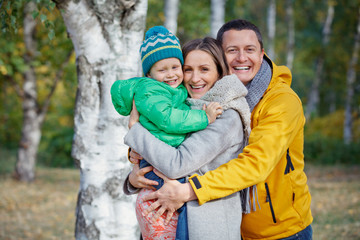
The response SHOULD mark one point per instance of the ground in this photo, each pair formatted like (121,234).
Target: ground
(45,209)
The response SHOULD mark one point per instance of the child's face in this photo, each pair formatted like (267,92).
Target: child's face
(168,70)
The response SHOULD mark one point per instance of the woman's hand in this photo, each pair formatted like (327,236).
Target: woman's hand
(138,180)
(134,157)
(170,197)
(134,115)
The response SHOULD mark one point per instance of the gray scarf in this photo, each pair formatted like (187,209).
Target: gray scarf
(256,89)
(258,85)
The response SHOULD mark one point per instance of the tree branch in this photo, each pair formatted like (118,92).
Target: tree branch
(58,76)
(15,85)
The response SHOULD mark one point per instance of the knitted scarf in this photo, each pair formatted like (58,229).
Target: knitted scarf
(258,85)
(230,93)
(256,89)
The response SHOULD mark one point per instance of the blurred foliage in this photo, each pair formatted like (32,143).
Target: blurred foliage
(324,141)
(323,135)
(57,131)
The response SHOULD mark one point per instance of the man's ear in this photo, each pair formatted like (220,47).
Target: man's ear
(262,54)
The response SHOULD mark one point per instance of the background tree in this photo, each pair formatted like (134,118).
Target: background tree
(23,76)
(291,34)
(313,100)
(271,28)
(217,16)
(350,81)
(171,10)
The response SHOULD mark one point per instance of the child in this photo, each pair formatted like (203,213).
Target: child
(160,98)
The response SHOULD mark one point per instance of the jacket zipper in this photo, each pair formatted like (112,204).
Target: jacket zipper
(268,199)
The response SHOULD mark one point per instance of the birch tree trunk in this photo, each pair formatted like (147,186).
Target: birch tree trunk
(171,10)
(313,100)
(32,119)
(33,113)
(217,16)
(271,21)
(350,80)
(106,36)
(291,34)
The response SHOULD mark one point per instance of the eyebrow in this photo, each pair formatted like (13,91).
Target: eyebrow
(249,45)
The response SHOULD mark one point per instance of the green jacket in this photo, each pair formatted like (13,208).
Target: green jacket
(162,108)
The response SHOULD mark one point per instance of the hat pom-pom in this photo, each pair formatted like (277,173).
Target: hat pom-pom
(154,31)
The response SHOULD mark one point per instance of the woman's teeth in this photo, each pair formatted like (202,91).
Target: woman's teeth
(197,87)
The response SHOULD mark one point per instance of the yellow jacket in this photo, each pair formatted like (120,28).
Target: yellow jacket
(273,160)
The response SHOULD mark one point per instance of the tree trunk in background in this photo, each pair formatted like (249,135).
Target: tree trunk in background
(350,80)
(271,21)
(171,10)
(33,114)
(106,36)
(313,100)
(32,119)
(291,34)
(217,16)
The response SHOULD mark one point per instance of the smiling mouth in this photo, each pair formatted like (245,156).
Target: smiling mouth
(241,68)
(197,87)
(170,82)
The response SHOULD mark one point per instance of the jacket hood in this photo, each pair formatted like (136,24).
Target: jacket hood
(281,74)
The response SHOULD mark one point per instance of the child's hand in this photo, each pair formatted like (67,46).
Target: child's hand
(134,116)
(212,111)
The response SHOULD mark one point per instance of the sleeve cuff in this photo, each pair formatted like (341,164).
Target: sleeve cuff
(128,188)
(199,189)
(129,150)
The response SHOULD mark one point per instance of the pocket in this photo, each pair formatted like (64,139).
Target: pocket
(268,199)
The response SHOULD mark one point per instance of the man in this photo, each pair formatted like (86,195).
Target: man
(273,159)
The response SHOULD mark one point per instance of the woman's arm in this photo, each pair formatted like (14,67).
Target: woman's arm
(197,150)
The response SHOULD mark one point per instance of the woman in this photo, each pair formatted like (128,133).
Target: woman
(204,150)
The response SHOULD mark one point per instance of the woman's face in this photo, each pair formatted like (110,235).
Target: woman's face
(200,73)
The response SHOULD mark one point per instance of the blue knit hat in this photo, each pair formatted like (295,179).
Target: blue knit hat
(159,44)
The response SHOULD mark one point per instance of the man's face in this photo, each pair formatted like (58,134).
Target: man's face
(243,53)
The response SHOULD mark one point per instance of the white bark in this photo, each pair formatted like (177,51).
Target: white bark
(271,21)
(313,100)
(291,34)
(171,11)
(217,16)
(350,80)
(32,119)
(106,36)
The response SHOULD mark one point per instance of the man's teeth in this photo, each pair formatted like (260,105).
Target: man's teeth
(242,68)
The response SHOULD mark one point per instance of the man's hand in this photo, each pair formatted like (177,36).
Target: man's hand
(170,197)
(138,180)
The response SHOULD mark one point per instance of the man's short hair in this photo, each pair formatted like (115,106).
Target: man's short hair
(239,24)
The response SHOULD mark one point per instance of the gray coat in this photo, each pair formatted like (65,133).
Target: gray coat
(203,151)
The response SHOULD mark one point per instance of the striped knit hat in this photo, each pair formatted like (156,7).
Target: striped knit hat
(159,44)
